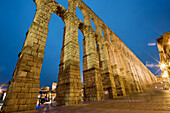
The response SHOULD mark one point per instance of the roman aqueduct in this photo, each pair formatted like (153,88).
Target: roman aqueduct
(108,64)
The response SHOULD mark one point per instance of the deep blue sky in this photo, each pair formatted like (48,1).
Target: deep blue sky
(136,22)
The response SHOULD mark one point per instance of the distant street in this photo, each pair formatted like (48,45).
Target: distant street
(155,100)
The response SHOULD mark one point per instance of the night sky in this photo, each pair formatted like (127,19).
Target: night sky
(138,23)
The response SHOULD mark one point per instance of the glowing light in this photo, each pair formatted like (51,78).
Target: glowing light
(163,66)
(0,90)
(165,75)
(169,63)
(169,42)
(53,87)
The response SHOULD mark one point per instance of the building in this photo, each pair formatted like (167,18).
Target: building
(54,86)
(163,43)
(2,96)
(47,95)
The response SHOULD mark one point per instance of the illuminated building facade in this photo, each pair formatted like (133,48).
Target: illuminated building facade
(163,43)
(47,95)
(54,86)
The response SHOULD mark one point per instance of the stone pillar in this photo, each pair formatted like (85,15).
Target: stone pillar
(130,71)
(105,65)
(134,75)
(118,68)
(23,89)
(106,34)
(69,80)
(114,71)
(98,30)
(152,76)
(149,76)
(126,71)
(138,74)
(120,65)
(138,78)
(142,77)
(93,87)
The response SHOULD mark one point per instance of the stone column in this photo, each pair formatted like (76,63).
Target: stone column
(23,89)
(98,30)
(152,76)
(131,78)
(126,71)
(69,80)
(120,68)
(149,76)
(93,87)
(105,65)
(142,77)
(130,72)
(134,75)
(106,34)
(138,78)
(114,69)
(138,74)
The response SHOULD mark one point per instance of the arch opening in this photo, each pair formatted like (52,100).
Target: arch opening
(80,42)
(53,51)
(111,39)
(93,25)
(102,32)
(79,14)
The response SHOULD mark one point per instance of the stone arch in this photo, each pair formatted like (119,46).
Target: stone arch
(106,33)
(91,72)
(23,89)
(51,61)
(103,33)
(119,69)
(110,53)
(98,73)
